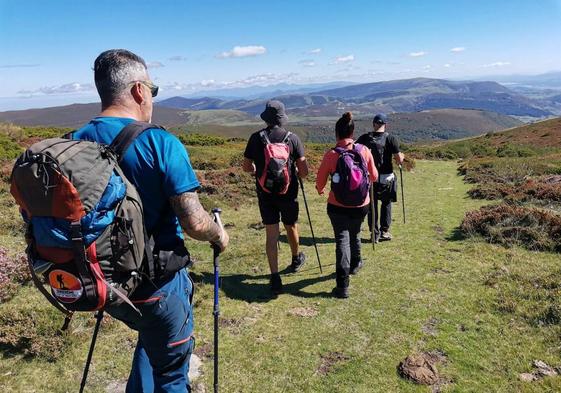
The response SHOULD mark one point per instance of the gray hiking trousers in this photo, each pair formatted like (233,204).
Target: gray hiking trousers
(347,245)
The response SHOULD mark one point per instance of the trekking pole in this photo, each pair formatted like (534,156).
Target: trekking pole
(216,311)
(310,221)
(90,353)
(402,195)
(372,207)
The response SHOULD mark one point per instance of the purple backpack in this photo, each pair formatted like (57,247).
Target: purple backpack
(350,182)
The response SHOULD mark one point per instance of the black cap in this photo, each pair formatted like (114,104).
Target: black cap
(380,118)
(274,113)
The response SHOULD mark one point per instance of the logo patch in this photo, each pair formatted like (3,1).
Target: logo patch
(65,286)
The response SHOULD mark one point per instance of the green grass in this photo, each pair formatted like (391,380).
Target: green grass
(478,294)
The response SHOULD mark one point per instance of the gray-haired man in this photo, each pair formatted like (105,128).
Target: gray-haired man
(159,167)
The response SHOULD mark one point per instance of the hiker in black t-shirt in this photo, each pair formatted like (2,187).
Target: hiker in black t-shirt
(383,146)
(277,203)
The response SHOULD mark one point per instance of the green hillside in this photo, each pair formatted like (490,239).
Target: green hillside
(487,310)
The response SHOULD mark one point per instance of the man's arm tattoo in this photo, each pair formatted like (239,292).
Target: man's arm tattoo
(193,218)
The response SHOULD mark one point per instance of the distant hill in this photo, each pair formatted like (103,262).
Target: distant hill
(424,93)
(439,125)
(408,95)
(543,134)
(76,115)
(547,80)
(538,143)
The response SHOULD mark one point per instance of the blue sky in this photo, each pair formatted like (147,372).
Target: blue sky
(47,48)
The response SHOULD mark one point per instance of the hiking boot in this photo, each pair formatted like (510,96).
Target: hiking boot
(340,293)
(356,268)
(385,236)
(276,283)
(297,262)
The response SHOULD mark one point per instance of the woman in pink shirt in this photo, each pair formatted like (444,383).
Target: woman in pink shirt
(348,200)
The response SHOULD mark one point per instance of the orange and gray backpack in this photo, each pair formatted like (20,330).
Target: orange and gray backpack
(84,221)
(275,178)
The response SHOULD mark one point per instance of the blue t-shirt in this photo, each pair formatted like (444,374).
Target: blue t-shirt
(158,165)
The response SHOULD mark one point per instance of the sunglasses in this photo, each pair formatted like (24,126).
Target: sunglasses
(153,88)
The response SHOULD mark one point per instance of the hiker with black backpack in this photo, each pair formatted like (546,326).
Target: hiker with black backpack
(276,158)
(351,168)
(105,209)
(383,146)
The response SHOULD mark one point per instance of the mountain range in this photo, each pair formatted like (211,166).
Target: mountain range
(409,95)
(420,109)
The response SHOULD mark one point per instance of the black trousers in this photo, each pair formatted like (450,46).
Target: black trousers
(347,245)
(383,197)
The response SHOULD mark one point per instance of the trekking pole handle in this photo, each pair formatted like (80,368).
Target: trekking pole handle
(216,213)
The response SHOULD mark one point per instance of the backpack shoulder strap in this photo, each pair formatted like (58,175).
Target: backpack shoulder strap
(127,136)
(69,135)
(384,139)
(264,137)
(339,149)
(285,140)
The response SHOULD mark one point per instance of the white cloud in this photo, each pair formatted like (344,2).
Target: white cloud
(458,49)
(244,51)
(427,67)
(155,64)
(315,51)
(417,54)
(447,65)
(307,63)
(496,64)
(74,87)
(260,80)
(177,58)
(344,59)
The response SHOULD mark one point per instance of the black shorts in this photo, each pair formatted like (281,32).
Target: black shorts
(275,210)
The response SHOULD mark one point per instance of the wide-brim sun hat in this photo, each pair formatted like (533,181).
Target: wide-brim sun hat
(274,113)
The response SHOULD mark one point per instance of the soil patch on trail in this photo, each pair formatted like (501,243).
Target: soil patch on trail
(430,327)
(257,226)
(331,360)
(421,368)
(204,350)
(304,312)
(235,325)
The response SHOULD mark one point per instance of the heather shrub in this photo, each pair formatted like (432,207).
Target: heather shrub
(194,139)
(14,271)
(32,334)
(508,225)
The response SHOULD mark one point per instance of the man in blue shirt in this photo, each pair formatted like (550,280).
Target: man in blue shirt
(158,165)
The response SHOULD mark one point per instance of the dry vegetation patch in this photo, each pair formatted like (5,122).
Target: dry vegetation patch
(506,224)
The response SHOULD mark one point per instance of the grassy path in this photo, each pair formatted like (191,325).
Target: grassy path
(425,290)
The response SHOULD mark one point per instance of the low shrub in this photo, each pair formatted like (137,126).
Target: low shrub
(45,132)
(31,334)
(14,272)
(509,150)
(193,139)
(9,149)
(508,225)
